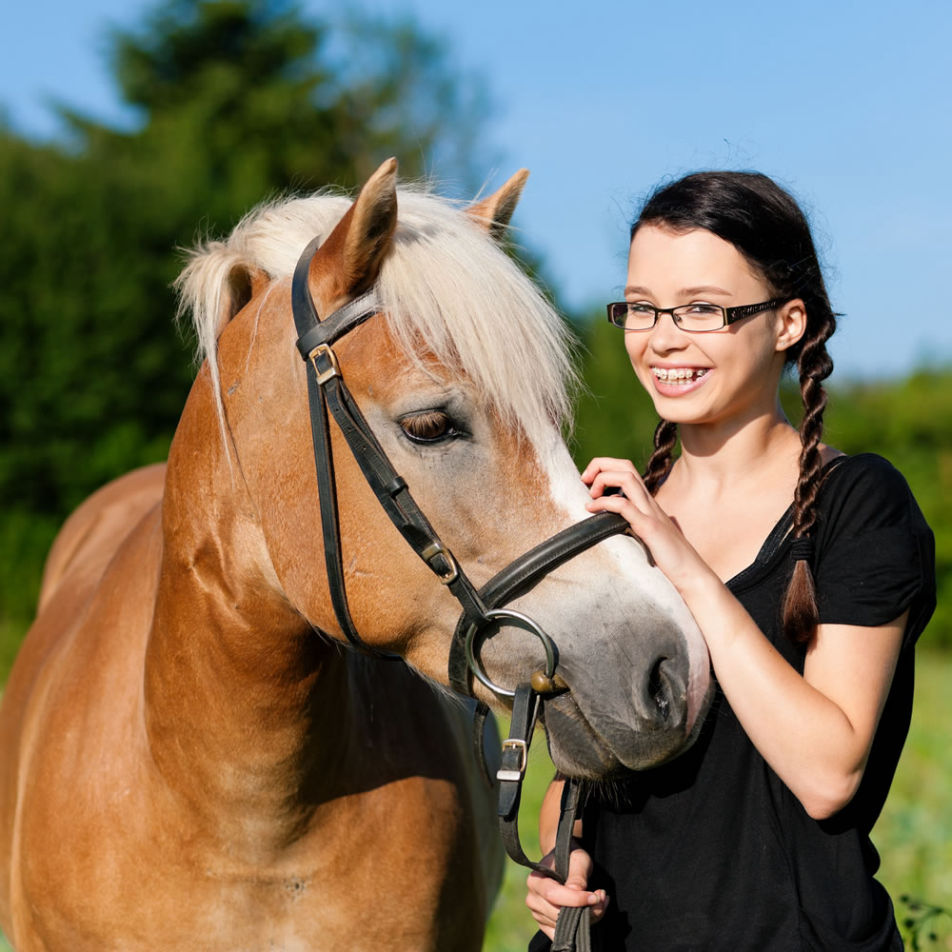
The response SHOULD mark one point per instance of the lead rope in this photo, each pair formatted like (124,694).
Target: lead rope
(573,928)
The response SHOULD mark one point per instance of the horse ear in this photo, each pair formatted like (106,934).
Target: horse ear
(241,285)
(349,261)
(494,211)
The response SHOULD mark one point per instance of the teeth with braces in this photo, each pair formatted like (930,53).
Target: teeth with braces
(674,374)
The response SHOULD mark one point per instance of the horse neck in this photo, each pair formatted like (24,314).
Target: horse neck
(237,686)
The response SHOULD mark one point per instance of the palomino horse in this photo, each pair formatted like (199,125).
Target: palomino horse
(191,756)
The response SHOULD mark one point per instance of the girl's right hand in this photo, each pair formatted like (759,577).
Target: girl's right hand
(546,897)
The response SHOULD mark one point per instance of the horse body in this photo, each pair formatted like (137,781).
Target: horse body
(188,757)
(235,791)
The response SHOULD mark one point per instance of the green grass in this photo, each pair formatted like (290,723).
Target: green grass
(914,834)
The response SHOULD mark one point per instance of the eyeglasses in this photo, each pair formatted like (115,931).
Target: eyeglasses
(694,318)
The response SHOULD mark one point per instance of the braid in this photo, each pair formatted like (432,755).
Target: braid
(800,615)
(665,438)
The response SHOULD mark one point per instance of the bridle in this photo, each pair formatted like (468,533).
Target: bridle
(328,396)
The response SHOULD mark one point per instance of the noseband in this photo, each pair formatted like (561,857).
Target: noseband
(481,612)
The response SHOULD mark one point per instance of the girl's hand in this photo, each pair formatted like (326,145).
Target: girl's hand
(546,897)
(671,552)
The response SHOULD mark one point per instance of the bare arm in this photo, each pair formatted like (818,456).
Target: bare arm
(549,815)
(815,730)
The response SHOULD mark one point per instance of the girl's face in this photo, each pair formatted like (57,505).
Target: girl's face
(714,376)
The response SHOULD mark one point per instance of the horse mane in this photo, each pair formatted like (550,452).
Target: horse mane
(445,286)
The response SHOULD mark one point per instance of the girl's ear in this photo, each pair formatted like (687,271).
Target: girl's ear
(792,323)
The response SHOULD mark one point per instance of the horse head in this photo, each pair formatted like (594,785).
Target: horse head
(461,369)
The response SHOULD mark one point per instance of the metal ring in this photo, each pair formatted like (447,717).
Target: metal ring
(515,620)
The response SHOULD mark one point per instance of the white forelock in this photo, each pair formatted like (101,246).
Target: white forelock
(445,286)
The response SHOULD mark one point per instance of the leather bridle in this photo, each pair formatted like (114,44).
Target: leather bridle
(328,396)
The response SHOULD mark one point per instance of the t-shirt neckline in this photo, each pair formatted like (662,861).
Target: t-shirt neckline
(775,538)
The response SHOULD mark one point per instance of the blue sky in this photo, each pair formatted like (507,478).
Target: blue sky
(845,103)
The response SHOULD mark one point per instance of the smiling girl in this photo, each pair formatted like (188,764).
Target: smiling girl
(811,575)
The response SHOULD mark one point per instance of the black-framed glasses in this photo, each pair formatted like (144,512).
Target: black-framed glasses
(694,318)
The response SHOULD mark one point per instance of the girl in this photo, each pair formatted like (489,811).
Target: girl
(811,575)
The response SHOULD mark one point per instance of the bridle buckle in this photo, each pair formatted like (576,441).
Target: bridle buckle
(518,747)
(437,550)
(324,361)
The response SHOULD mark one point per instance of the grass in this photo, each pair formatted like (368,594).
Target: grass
(913,836)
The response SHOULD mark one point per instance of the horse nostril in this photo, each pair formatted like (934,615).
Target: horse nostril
(659,689)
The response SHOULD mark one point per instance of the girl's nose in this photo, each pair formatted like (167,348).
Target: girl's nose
(666,335)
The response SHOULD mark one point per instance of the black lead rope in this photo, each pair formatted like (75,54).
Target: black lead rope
(573,927)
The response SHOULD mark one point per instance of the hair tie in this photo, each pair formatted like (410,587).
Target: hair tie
(802,549)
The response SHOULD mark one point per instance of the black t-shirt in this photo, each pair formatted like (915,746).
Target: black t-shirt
(712,851)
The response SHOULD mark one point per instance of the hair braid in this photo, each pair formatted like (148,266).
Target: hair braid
(800,615)
(665,438)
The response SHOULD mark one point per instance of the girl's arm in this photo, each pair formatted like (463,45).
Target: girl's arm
(814,730)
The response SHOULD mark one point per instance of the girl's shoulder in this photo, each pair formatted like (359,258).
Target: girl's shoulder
(874,551)
(863,492)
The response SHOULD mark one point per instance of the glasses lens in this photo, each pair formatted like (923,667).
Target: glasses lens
(632,317)
(700,317)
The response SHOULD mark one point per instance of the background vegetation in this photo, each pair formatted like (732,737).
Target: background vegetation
(231,102)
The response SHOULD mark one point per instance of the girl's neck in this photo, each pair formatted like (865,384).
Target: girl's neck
(725,456)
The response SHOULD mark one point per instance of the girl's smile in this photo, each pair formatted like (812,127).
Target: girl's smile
(676,381)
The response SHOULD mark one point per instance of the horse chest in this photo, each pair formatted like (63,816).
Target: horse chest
(125,886)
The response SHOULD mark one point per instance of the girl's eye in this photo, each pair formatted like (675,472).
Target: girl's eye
(429,426)
(706,309)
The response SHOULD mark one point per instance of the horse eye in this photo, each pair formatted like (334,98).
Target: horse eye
(429,426)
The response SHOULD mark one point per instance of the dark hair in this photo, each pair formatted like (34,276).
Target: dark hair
(765,224)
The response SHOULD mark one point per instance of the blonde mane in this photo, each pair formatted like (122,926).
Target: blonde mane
(445,284)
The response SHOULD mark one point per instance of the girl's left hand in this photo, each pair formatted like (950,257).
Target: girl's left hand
(671,552)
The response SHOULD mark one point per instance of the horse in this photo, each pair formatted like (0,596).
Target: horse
(192,754)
